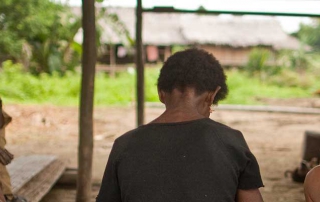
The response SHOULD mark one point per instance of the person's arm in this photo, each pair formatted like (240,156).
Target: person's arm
(250,195)
(312,185)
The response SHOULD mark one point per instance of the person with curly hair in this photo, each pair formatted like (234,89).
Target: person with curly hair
(183,155)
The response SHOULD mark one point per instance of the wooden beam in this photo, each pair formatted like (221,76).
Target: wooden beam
(89,55)
(139,65)
(216,12)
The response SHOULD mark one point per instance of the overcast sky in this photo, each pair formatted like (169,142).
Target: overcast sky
(290,24)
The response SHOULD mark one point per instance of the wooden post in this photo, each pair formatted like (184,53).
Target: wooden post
(85,149)
(112,61)
(139,65)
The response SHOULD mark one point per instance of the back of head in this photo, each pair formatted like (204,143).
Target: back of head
(193,68)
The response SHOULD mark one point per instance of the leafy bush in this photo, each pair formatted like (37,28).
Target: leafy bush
(20,86)
(17,86)
(258,64)
(287,78)
(244,89)
(295,60)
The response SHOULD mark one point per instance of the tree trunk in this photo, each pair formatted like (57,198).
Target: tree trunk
(85,150)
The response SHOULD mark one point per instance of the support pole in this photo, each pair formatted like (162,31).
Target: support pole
(85,149)
(139,65)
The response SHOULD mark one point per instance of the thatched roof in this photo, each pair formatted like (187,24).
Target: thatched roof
(189,29)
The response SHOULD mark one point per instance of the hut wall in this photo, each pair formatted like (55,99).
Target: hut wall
(229,56)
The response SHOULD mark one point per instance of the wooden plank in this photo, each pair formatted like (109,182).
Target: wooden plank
(110,68)
(24,168)
(41,184)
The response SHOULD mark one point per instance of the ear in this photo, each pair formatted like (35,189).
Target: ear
(212,95)
(161,95)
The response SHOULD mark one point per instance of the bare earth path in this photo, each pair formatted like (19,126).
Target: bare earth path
(275,138)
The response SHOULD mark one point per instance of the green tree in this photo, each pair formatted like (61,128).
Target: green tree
(38,33)
(310,34)
(257,63)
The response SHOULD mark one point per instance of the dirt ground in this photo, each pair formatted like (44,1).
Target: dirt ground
(275,139)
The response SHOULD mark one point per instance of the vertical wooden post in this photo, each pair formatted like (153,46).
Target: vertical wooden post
(139,65)
(112,61)
(85,149)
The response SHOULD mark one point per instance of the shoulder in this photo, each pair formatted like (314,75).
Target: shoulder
(124,140)
(314,173)
(227,134)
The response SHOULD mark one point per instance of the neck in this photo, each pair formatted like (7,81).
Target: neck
(181,106)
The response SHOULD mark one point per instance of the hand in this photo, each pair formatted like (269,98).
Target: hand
(5,157)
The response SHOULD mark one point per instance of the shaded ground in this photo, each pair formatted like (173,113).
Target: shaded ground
(276,140)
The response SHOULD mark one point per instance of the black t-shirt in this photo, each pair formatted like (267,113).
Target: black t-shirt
(193,161)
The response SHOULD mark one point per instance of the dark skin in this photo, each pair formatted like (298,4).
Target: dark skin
(312,185)
(185,106)
(188,106)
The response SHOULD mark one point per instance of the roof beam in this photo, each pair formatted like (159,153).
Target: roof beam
(215,12)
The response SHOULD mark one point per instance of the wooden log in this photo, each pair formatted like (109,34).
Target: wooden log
(311,145)
(89,57)
(139,65)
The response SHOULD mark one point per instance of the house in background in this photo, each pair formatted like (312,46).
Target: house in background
(229,39)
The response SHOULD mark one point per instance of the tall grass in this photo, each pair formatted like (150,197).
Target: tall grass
(17,86)
(249,90)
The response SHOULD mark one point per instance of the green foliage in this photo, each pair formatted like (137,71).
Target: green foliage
(38,33)
(257,60)
(114,22)
(310,34)
(18,86)
(296,60)
(151,80)
(288,78)
(177,48)
(244,89)
(258,63)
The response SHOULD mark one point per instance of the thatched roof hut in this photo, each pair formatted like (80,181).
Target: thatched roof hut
(236,32)
(164,29)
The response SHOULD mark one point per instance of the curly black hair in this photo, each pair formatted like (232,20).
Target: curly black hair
(193,68)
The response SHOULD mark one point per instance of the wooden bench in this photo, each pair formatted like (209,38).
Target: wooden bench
(33,176)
